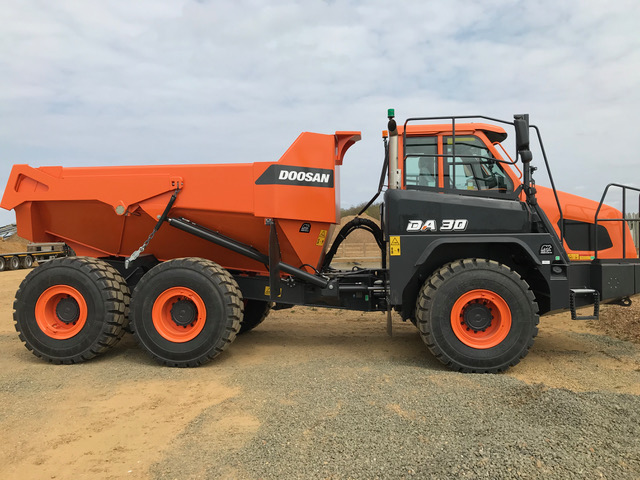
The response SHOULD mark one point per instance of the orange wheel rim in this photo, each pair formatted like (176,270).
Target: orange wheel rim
(179,314)
(61,312)
(481,319)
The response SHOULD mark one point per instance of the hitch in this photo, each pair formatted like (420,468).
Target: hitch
(623,302)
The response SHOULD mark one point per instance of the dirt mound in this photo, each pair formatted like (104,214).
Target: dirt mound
(620,322)
(14,244)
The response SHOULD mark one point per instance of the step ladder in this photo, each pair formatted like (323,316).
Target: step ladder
(574,292)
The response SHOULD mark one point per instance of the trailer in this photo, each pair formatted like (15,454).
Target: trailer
(36,252)
(472,252)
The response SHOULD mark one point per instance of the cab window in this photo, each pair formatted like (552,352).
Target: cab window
(421,162)
(474,167)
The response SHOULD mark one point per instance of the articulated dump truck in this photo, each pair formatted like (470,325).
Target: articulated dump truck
(472,252)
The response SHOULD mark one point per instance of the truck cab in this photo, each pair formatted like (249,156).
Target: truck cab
(472,161)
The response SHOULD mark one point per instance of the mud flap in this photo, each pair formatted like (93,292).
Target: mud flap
(274,261)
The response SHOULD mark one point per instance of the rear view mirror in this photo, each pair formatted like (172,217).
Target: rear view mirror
(521,124)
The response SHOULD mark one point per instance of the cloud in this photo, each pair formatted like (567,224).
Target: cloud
(88,83)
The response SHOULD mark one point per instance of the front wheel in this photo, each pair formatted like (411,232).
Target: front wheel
(186,311)
(477,315)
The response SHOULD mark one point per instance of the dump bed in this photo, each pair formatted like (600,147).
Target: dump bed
(110,211)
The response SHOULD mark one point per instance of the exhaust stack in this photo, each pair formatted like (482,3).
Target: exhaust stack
(394,172)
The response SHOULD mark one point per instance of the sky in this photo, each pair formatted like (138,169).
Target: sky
(170,82)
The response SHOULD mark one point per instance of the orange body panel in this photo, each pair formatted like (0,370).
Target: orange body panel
(584,210)
(104,211)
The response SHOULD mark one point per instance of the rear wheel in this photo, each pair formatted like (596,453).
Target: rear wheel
(186,311)
(3,264)
(27,261)
(14,263)
(255,311)
(71,309)
(477,315)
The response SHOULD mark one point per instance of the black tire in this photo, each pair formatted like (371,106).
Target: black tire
(255,311)
(14,263)
(27,261)
(86,285)
(186,311)
(478,294)
(3,264)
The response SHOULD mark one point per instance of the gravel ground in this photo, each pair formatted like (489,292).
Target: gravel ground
(396,420)
(323,394)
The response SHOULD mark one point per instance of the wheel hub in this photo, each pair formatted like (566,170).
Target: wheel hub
(68,310)
(184,312)
(477,316)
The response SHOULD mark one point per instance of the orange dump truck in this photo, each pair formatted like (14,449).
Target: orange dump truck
(470,251)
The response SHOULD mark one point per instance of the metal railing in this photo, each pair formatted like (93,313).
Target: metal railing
(634,226)
(625,220)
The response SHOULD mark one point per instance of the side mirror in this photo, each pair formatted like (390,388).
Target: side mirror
(521,123)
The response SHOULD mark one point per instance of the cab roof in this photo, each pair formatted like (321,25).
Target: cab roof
(493,132)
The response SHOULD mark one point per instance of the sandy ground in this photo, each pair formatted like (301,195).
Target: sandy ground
(123,416)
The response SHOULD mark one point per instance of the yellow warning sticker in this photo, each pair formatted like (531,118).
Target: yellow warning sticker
(322,236)
(267,291)
(577,256)
(394,246)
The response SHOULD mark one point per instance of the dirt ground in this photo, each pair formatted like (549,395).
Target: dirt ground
(316,393)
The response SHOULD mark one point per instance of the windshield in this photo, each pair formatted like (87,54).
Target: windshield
(474,166)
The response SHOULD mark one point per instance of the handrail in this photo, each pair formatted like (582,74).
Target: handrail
(553,185)
(622,220)
(453,132)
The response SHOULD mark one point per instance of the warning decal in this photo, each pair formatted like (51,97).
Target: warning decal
(322,236)
(267,292)
(394,246)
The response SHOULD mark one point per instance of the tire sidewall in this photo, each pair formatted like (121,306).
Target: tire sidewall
(512,290)
(39,280)
(158,280)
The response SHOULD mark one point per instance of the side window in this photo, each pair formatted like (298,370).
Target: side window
(473,167)
(421,163)
(582,236)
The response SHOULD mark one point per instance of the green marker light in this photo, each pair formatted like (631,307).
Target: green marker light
(391,113)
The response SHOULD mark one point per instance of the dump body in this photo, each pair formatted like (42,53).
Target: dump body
(110,211)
